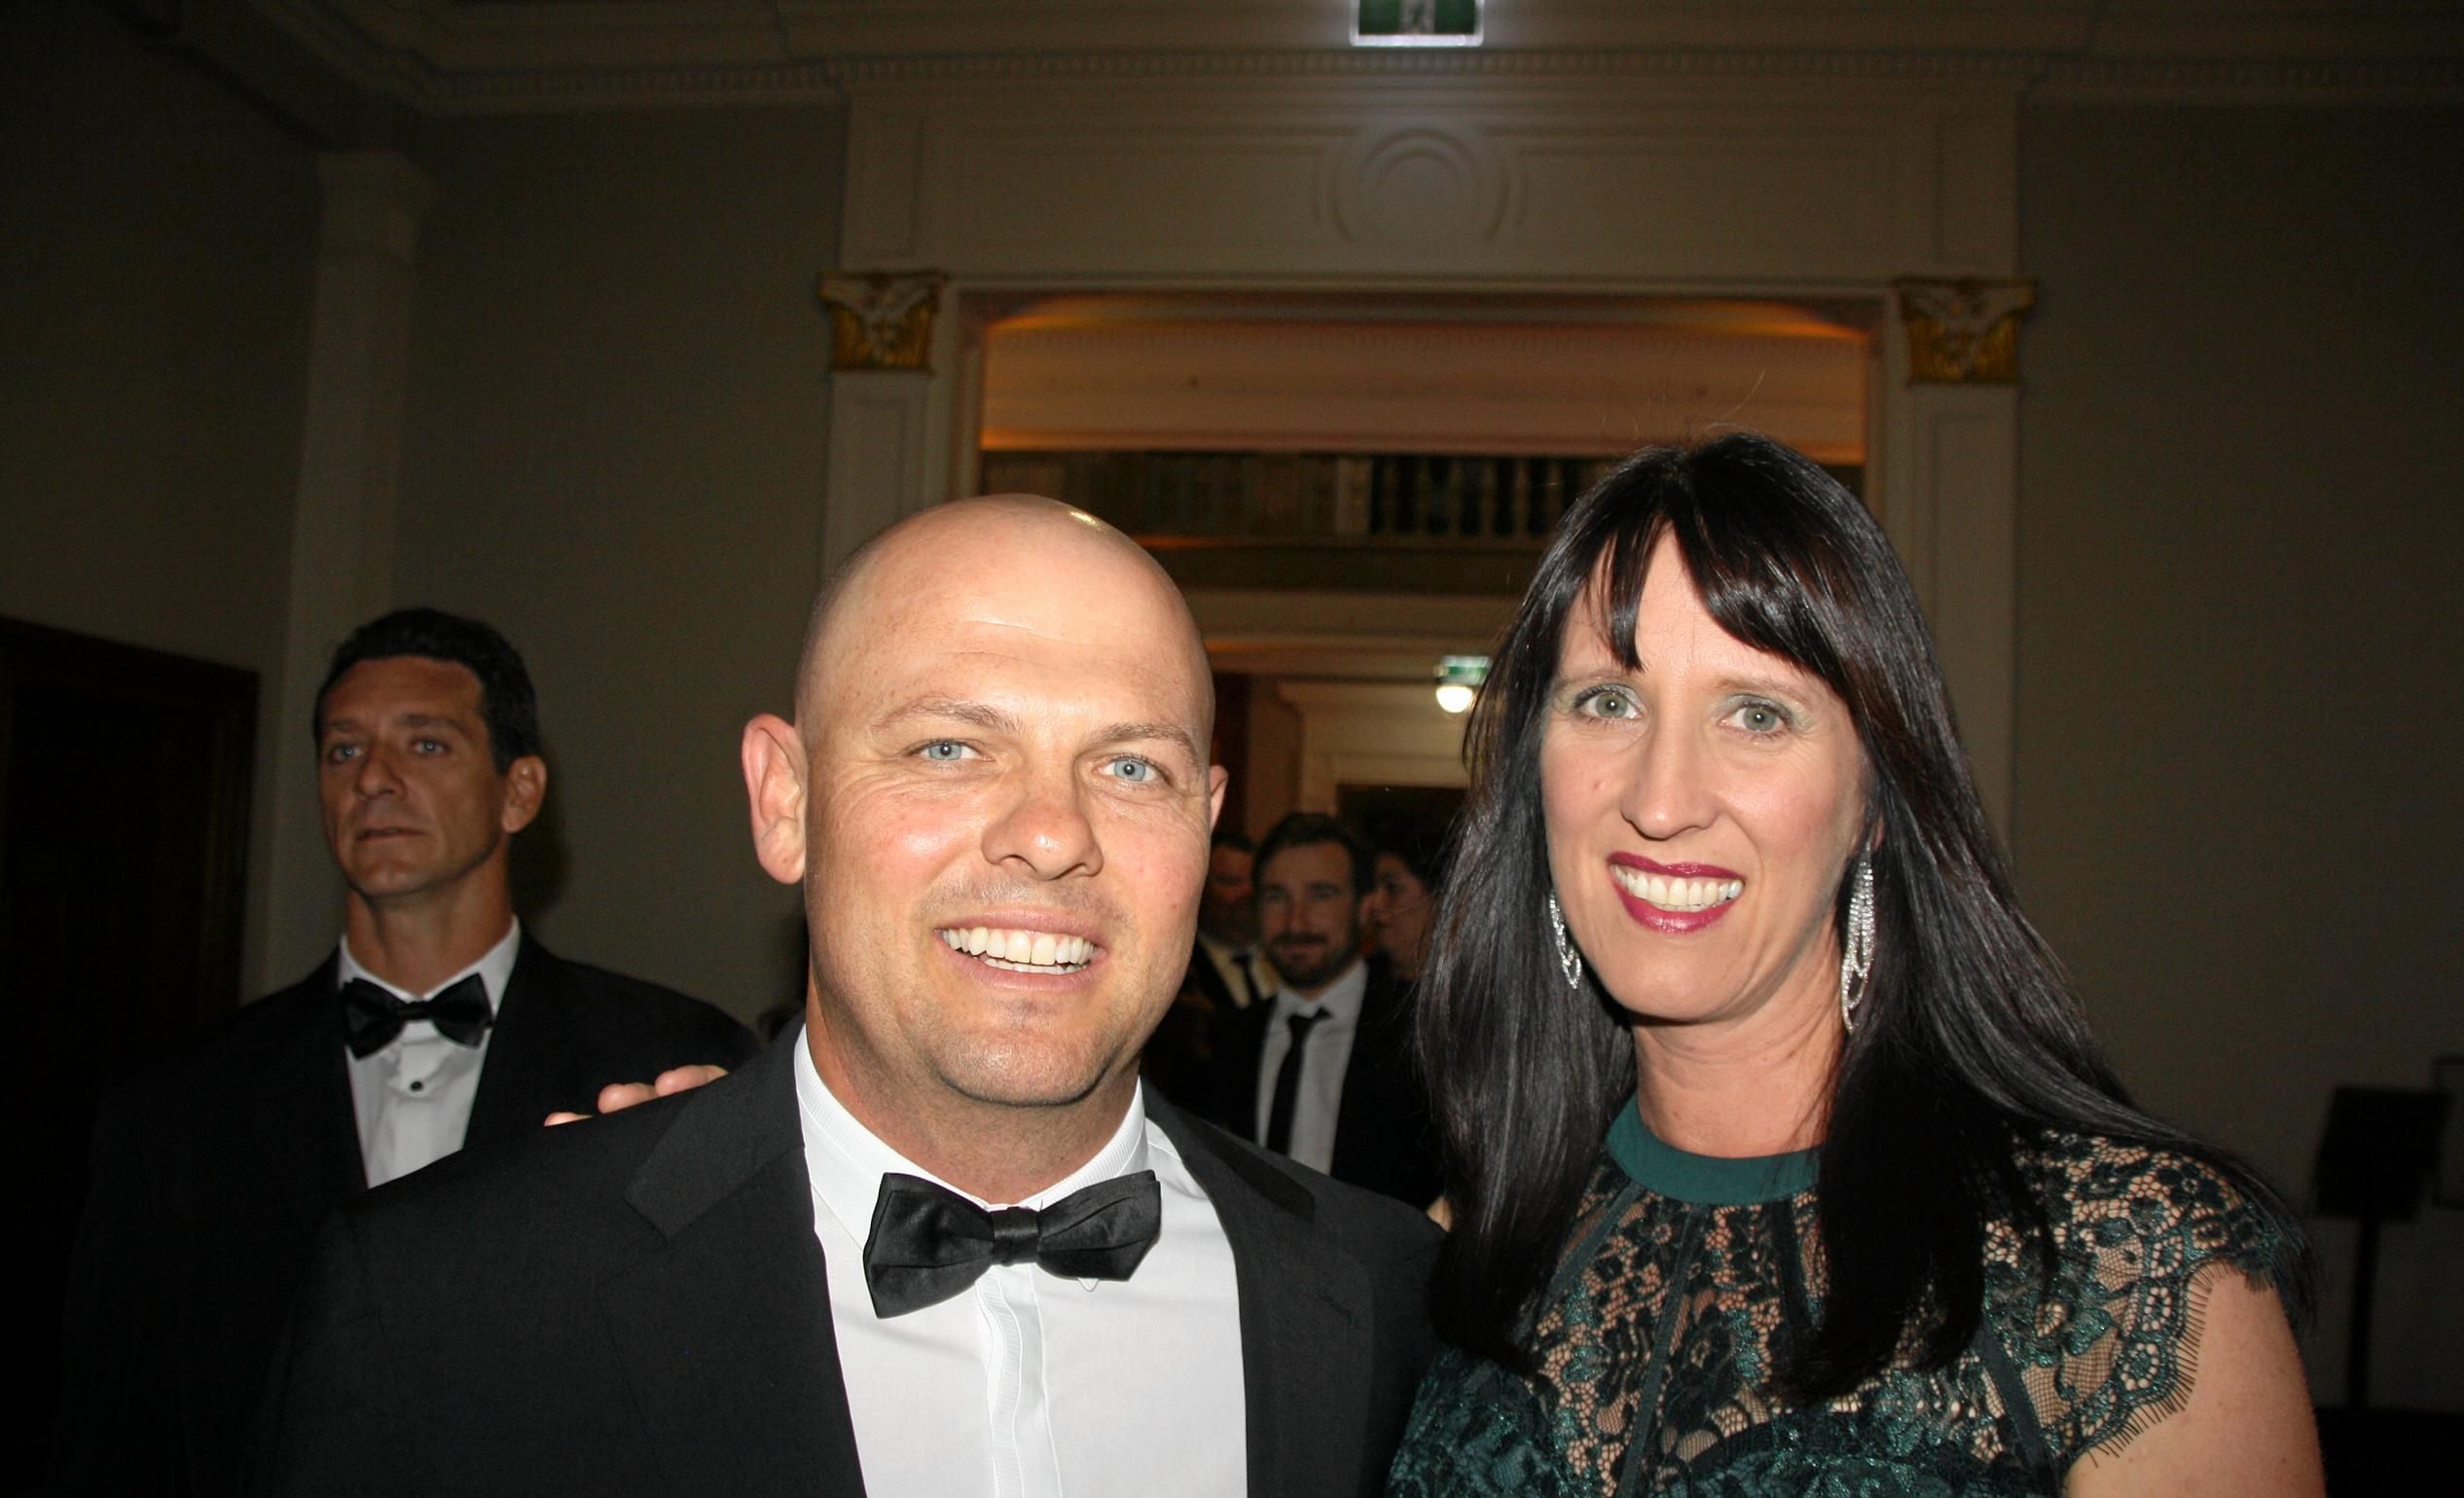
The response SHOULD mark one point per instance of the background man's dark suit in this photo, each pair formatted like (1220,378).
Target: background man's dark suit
(639,1304)
(215,1167)
(1185,1050)
(1383,1139)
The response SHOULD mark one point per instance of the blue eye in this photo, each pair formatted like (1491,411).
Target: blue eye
(945,752)
(1135,770)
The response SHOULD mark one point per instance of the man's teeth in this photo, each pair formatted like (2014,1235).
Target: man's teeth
(1020,951)
(1677,893)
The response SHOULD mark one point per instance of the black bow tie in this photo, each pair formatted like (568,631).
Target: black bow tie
(372,1015)
(928,1243)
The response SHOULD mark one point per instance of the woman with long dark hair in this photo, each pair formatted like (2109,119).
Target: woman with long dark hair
(1779,1157)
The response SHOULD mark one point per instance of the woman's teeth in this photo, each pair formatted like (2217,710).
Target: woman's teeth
(1020,951)
(1677,893)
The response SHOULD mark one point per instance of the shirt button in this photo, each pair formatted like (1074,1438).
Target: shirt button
(419,1086)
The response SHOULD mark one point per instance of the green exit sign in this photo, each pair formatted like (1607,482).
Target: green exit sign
(1416,24)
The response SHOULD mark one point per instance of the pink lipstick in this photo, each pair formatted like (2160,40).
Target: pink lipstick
(1673,923)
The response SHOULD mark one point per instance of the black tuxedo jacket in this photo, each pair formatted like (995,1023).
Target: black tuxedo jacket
(1384,1137)
(214,1166)
(639,1305)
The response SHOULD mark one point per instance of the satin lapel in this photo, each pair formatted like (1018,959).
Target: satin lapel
(305,1127)
(726,1327)
(1307,1323)
(518,1083)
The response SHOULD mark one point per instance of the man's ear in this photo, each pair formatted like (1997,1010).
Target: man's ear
(774,782)
(526,792)
(1217,778)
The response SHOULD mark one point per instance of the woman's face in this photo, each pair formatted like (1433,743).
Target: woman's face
(1398,914)
(1700,811)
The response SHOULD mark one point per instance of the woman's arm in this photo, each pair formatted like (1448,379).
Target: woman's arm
(2246,1430)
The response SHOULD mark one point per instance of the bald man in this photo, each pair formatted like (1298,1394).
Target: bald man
(937,1240)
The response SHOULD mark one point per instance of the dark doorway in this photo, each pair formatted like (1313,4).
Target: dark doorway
(1401,813)
(123,849)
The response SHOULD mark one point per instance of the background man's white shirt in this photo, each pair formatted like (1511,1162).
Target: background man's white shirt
(1320,1096)
(412,1097)
(1029,1385)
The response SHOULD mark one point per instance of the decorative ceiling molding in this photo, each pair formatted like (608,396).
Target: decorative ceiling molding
(459,56)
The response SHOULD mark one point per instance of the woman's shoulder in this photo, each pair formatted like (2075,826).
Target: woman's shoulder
(2103,1310)
(2135,1210)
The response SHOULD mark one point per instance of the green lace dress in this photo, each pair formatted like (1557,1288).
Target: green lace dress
(1654,1343)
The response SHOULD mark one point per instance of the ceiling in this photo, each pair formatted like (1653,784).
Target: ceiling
(499,55)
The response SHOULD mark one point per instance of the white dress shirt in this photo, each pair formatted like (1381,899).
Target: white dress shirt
(1029,1385)
(1320,1099)
(413,1097)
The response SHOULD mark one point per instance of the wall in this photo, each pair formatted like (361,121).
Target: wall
(2240,655)
(614,451)
(154,290)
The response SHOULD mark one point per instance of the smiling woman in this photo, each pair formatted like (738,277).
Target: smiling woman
(1780,1154)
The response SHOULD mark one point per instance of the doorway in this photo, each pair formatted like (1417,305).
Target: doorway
(124,850)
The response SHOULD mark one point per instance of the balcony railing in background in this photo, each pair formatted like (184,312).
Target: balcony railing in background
(1394,523)
(1174,500)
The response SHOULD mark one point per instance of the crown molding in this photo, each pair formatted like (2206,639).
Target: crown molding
(459,57)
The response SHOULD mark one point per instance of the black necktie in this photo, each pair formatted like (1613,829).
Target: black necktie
(1247,963)
(372,1015)
(928,1243)
(1278,1117)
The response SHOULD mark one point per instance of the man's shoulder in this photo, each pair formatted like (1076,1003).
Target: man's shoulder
(636,1003)
(232,1049)
(548,1202)
(1375,1226)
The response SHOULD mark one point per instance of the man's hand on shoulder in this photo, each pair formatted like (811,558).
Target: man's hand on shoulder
(616,1097)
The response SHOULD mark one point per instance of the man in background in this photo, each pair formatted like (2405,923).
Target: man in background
(437,1023)
(1323,1071)
(1227,975)
(1228,968)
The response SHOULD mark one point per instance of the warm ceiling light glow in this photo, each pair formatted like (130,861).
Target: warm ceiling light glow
(1455,697)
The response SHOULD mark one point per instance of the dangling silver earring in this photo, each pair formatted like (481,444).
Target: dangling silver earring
(1855,950)
(1569,961)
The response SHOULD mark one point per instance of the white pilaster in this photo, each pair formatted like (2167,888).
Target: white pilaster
(1947,479)
(343,519)
(890,448)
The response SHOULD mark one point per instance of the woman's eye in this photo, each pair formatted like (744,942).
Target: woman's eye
(1760,718)
(1605,701)
(945,750)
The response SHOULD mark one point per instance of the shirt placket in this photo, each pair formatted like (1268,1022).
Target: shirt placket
(1024,1464)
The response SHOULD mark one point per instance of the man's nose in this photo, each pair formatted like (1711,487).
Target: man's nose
(1044,830)
(376,775)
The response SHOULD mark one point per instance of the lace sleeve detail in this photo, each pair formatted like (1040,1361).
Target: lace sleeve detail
(2107,1343)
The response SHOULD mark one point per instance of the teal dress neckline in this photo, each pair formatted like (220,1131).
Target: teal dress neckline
(1706,1179)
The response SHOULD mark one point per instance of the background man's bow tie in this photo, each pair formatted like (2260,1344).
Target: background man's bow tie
(928,1243)
(372,1015)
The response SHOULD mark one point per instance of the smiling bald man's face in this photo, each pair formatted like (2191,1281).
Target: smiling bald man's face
(1006,809)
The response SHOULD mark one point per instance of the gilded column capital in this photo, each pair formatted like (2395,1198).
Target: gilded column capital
(1964,332)
(882,319)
